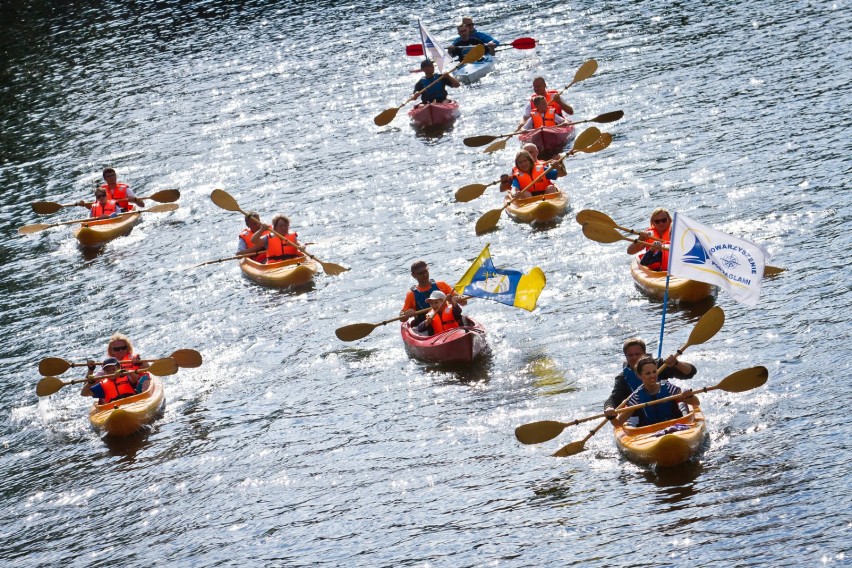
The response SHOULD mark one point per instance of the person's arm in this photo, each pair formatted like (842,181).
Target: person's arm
(408,306)
(677,369)
(450,292)
(620,391)
(625,416)
(558,119)
(260,239)
(642,244)
(528,125)
(132,198)
(563,105)
(90,379)
(451,81)
(505,182)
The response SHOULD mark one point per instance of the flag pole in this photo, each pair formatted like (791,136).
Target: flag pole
(666,295)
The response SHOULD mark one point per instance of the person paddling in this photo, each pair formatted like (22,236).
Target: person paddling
(526,170)
(551,96)
(103,207)
(416,298)
(446,314)
(121,356)
(463,43)
(436,93)
(658,257)
(542,115)
(474,33)
(278,249)
(119,192)
(244,244)
(652,389)
(626,382)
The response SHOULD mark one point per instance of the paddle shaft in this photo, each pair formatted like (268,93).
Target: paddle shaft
(423,311)
(224,259)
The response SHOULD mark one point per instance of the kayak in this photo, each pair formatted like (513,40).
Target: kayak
(549,140)
(460,345)
(102,231)
(665,444)
(434,114)
(473,72)
(653,283)
(541,208)
(127,415)
(283,274)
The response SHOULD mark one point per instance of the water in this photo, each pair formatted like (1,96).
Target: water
(289,447)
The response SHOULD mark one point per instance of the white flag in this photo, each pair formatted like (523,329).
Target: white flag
(699,252)
(434,51)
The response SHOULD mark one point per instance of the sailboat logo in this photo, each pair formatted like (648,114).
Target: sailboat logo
(697,254)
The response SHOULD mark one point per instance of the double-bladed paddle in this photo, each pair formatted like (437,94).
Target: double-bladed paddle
(477,141)
(585,140)
(160,367)
(224,200)
(601,228)
(30,229)
(185,358)
(48,207)
(536,432)
(387,115)
(416,49)
(741,381)
(356,331)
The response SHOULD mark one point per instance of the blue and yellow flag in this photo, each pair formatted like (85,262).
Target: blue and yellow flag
(511,287)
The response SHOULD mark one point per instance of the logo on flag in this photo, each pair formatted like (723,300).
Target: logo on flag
(701,253)
(507,286)
(433,50)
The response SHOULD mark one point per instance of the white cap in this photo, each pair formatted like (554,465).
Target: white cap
(438,295)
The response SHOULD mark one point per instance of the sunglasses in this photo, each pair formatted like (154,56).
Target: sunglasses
(659,221)
(121,348)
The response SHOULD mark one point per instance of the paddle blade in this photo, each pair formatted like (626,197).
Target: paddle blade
(524,43)
(601,233)
(354,331)
(414,49)
(187,358)
(497,146)
(586,138)
(538,432)
(385,117)
(585,71)
(744,380)
(474,141)
(30,229)
(224,200)
(163,367)
(470,192)
(48,385)
(709,324)
(165,196)
(474,54)
(488,221)
(164,208)
(772,270)
(608,117)
(45,207)
(333,269)
(570,449)
(53,366)
(601,143)
(590,215)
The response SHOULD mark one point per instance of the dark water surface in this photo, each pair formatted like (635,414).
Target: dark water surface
(289,447)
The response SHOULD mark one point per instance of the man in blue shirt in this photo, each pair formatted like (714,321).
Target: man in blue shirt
(463,43)
(485,38)
(437,93)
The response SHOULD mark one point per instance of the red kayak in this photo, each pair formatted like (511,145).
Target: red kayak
(459,345)
(434,114)
(550,140)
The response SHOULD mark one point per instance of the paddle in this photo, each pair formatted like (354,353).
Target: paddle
(416,49)
(476,141)
(356,331)
(30,229)
(160,367)
(224,200)
(387,115)
(47,207)
(602,229)
(185,358)
(472,191)
(249,255)
(489,220)
(537,432)
(741,381)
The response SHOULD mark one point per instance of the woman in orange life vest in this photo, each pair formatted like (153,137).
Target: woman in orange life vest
(103,207)
(276,248)
(119,192)
(526,170)
(542,115)
(658,257)
(245,246)
(121,348)
(445,314)
(532,150)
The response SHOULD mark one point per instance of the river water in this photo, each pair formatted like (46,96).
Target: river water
(289,447)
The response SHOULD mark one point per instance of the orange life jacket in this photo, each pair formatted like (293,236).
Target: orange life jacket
(550,102)
(127,364)
(99,210)
(277,249)
(444,321)
(119,195)
(549,118)
(524,179)
(246,235)
(116,387)
(666,237)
